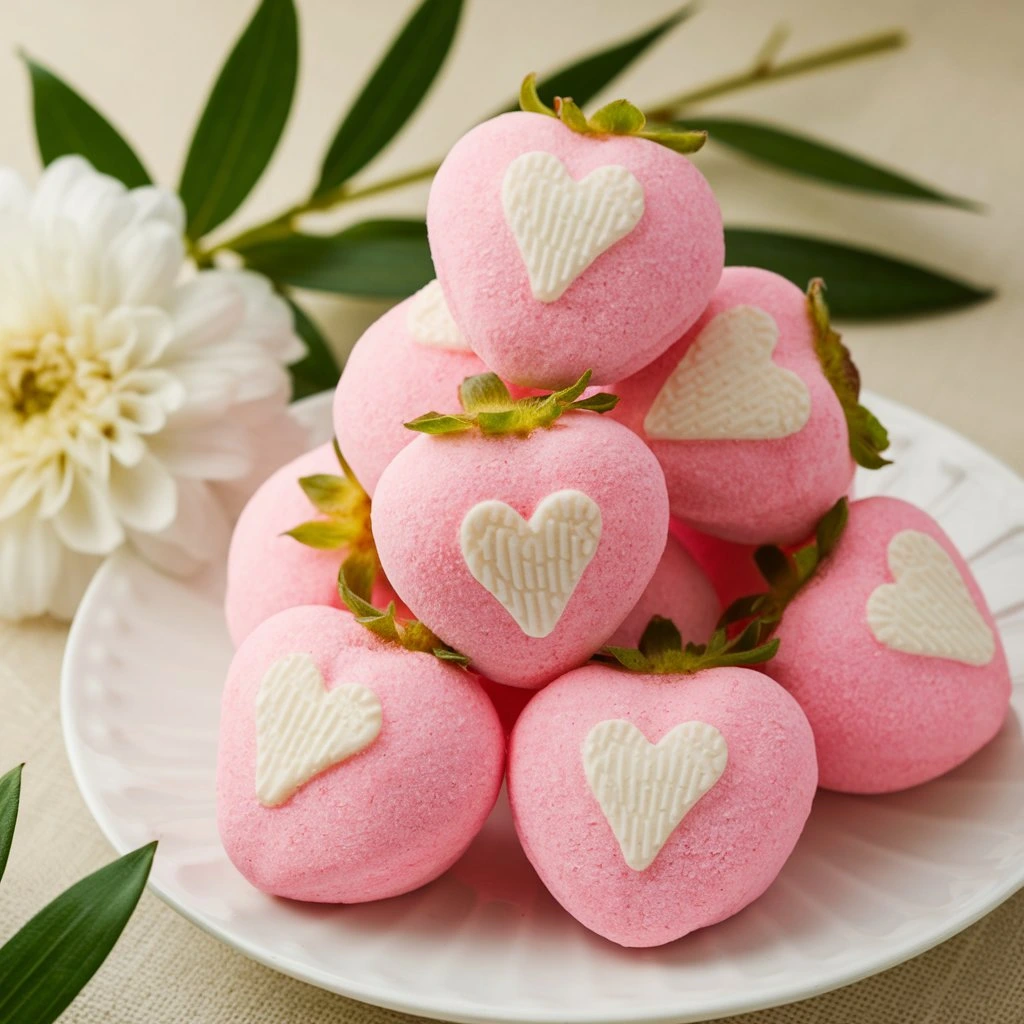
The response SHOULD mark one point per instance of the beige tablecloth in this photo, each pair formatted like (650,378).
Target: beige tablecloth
(948,110)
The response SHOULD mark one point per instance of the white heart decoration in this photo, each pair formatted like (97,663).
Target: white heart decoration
(430,322)
(928,609)
(561,225)
(726,386)
(646,789)
(302,728)
(532,567)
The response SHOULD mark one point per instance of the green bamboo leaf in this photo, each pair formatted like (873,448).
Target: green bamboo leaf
(375,258)
(67,123)
(394,91)
(46,964)
(243,119)
(318,370)
(586,77)
(862,284)
(803,155)
(10,795)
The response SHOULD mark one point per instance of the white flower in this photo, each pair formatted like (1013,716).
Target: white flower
(140,400)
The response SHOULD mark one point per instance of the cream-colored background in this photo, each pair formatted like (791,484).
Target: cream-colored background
(946,109)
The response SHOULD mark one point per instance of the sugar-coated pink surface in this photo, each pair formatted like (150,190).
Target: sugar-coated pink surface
(626,308)
(390,378)
(266,572)
(723,854)
(883,720)
(730,567)
(389,819)
(425,493)
(679,591)
(752,492)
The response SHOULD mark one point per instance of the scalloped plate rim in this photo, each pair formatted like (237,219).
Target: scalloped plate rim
(461,1010)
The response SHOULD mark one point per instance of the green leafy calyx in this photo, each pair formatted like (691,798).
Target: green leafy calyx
(662,652)
(786,573)
(489,407)
(344,508)
(868,438)
(355,581)
(620,117)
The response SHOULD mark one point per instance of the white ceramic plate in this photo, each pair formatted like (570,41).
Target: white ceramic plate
(873,881)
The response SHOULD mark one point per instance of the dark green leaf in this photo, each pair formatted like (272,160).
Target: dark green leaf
(376,258)
(243,119)
(742,608)
(806,561)
(802,155)
(46,964)
(774,566)
(573,391)
(603,401)
(628,657)
(830,528)
(10,795)
(317,370)
(586,77)
(862,284)
(753,656)
(393,92)
(447,654)
(659,637)
(66,123)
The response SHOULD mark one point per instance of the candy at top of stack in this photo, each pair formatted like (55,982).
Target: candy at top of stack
(751,436)
(560,251)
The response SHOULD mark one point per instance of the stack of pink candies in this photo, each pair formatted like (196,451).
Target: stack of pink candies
(648,606)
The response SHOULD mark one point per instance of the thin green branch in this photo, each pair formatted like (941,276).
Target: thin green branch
(764,69)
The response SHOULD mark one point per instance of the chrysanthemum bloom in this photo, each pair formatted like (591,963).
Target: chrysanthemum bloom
(140,400)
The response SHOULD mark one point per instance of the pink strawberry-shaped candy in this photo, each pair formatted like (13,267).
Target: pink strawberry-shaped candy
(412,358)
(351,768)
(563,243)
(679,591)
(520,535)
(892,653)
(753,413)
(290,540)
(665,798)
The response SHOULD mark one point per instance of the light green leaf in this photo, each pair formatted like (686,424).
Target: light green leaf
(800,154)
(317,370)
(243,119)
(620,117)
(375,258)
(586,77)
(46,964)
(322,534)
(328,494)
(484,392)
(67,123)
(440,423)
(10,795)
(863,284)
(393,93)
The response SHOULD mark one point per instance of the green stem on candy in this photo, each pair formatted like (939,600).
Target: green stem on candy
(764,69)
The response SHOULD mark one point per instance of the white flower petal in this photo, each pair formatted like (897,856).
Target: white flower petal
(18,486)
(76,571)
(198,535)
(14,193)
(203,454)
(29,559)
(87,522)
(141,266)
(144,496)
(205,310)
(154,204)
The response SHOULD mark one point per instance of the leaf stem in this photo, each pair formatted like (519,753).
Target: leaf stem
(763,69)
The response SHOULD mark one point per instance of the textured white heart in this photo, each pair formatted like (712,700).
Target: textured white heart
(303,728)
(562,225)
(726,386)
(646,789)
(532,567)
(928,610)
(430,321)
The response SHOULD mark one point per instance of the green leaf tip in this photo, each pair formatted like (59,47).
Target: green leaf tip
(354,586)
(868,438)
(10,798)
(786,573)
(344,508)
(620,117)
(661,650)
(489,407)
